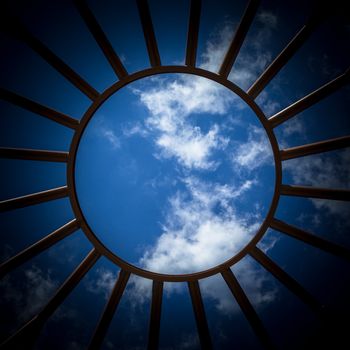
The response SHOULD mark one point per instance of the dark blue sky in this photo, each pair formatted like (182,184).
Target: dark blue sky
(167,161)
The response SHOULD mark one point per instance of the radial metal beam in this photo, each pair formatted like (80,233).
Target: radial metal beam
(281,60)
(69,284)
(286,279)
(109,311)
(38,247)
(310,99)
(35,198)
(247,308)
(33,154)
(148,32)
(37,108)
(314,148)
(101,38)
(193,30)
(154,322)
(310,239)
(30,331)
(16,29)
(238,38)
(315,192)
(199,312)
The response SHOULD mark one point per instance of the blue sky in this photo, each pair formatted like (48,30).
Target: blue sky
(163,164)
(185,158)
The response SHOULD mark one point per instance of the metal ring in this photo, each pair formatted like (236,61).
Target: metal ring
(101,248)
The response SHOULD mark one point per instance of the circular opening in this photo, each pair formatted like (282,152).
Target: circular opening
(174,174)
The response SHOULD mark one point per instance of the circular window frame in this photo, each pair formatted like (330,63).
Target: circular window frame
(96,242)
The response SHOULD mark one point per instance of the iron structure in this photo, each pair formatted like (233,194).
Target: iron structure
(30,331)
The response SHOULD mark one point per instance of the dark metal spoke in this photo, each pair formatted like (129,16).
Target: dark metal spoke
(109,310)
(37,108)
(247,308)
(281,60)
(314,148)
(199,312)
(31,329)
(193,30)
(16,29)
(148,32)
(238,38)
(101,38)
(310,239)
(310,99)
(286,279)
(315,192)
(156,308)
(35,198)
(69,284)
(38,247)
(33,154)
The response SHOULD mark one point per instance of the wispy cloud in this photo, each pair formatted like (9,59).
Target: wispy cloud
(203,213)
(34,290)
(132,129)
(257,283)
(188,341)
(191,147)
(103,130)
(254,57)
(323,64)
(294,126)
(326,170)
(199,218)
(253,153)
(111,137)
(217,47)
(170,105)
(104,282)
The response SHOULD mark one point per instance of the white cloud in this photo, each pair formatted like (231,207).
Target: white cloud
(289,130)
(268,19)
(293,126)
(254,57)
(201,229)
(216,48)
(139,291)
(269,241)
(191,147)
(249,63)
(325,170)
(170,105)
(253,153)
(313,220)
(268,105)
(104,131)
(134,129)
(32,294)
(40,287)
(111,137)
(253,279)
(104,282)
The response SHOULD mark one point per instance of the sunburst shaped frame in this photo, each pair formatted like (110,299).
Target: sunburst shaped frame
(30,331)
